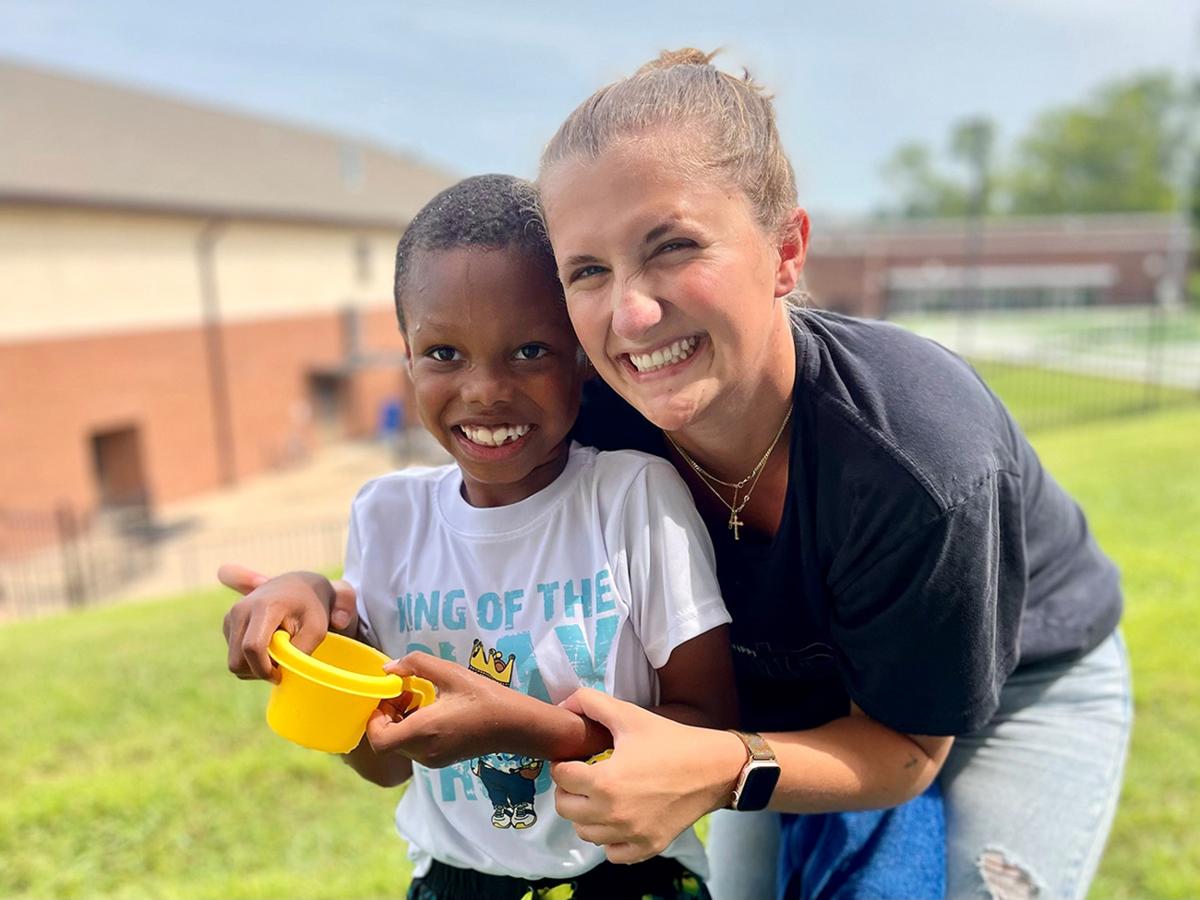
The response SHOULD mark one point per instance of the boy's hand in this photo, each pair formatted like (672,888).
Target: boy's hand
(343,617)
(472,715)
(298,602)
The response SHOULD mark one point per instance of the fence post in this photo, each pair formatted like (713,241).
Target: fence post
(1156,338)
(68,544)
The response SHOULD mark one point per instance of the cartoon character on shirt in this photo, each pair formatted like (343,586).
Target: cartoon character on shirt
(508,779)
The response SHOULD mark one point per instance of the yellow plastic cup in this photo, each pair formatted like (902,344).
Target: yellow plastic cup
(323,701)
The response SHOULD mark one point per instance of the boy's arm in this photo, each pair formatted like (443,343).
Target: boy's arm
(697,685)
(387,769)
(474,715)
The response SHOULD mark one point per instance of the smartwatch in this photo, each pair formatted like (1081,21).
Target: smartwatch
(759,775)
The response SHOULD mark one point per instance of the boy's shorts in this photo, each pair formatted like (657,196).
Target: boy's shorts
(891,853)
(660,878)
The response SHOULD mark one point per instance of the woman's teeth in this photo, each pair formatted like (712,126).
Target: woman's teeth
(494,437)
(649,362)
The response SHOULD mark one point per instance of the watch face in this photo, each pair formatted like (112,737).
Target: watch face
(759,785)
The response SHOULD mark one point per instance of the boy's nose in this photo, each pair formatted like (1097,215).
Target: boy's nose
(636,311)
(486,386)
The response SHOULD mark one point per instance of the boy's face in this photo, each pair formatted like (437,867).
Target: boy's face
(495,368)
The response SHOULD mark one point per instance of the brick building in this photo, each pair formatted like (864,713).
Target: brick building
(187,296)
(889,267)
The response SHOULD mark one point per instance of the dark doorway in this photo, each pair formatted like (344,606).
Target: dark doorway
(327,394)
(117,465)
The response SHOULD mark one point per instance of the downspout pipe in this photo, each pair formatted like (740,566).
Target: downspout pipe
(214,342)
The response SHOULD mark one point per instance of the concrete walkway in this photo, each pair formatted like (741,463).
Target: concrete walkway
(280,521)
(276,522)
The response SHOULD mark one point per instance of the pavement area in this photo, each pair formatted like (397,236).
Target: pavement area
(290,519)
(274,522)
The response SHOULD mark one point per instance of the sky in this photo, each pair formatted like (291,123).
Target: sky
(477,86)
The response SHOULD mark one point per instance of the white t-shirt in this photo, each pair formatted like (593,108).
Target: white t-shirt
(592,581)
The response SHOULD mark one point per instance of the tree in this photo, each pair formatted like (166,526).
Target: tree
(1116,151)
(923,191)
(972,142)
(1113,153)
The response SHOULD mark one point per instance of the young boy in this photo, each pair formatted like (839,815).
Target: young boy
(525,570)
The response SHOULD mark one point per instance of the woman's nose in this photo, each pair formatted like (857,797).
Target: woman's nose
(636,312)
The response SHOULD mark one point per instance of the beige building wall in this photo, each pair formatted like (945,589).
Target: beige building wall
(72,271)
(103,342)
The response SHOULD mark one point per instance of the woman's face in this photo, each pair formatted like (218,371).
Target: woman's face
(671,283)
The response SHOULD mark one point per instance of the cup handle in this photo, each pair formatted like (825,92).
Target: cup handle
(422,690)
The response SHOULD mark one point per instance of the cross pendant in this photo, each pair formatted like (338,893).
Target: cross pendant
(735,523)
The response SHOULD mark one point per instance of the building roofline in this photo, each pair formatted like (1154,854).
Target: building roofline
(225,211)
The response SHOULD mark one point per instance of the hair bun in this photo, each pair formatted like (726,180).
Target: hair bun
(687,56)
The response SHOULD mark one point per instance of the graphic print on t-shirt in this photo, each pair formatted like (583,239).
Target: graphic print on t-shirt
(507,779)
(591,582)
(546,648)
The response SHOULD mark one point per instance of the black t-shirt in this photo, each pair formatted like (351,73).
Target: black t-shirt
(923,551)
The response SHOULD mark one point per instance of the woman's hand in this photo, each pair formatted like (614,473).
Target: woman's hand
(298,602)
(472,715)
(662,777)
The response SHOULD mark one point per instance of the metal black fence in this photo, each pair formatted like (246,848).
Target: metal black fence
(56,560)
(1056,366)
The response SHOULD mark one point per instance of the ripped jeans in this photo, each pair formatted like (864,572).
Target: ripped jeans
(1029,798)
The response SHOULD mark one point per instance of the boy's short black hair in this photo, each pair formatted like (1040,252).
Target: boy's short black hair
(485,211)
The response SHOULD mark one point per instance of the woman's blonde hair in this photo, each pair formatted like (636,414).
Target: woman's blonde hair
(732,116)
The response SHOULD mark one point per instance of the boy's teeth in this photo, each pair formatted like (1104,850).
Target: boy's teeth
(494,437)
(648,362)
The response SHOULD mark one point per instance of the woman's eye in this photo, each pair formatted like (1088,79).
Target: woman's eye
(443,354)
(674,245)
(585,272)
(531,351)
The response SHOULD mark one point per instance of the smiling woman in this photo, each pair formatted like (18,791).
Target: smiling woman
(917,606)
(633,226)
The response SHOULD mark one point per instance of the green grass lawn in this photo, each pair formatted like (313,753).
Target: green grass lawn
(135,766)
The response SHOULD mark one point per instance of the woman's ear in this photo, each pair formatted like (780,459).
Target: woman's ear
(793,247)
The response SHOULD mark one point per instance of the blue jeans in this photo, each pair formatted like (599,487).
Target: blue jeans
(885,854)
(1029,798)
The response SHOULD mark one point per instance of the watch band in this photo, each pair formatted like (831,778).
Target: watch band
(760,773)
(756,745)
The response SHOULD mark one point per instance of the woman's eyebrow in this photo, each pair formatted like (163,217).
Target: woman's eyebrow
(659,230)
(583,259)
(578,260)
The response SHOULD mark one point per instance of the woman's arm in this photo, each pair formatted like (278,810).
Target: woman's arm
(853,763)
(639,800)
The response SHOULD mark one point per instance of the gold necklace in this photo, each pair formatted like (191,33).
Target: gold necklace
(711,480)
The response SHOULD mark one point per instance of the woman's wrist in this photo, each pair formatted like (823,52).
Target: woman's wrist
(727,756)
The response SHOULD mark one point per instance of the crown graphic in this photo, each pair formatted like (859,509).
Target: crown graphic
(492,664)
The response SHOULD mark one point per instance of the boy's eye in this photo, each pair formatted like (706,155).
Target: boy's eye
(442,354)
(530,351)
